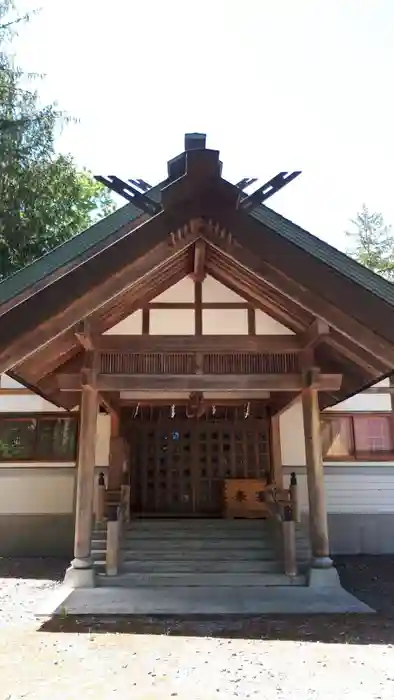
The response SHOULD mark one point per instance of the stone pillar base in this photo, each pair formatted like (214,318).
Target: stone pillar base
(324,578)
(78,577)
(321,563)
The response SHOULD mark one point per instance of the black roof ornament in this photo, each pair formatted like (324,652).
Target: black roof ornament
(133,191)
(246,182)
(267,190)
(141,185)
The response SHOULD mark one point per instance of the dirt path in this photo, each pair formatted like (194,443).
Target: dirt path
(290,658)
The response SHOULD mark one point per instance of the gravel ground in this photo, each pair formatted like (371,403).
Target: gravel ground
(323,657)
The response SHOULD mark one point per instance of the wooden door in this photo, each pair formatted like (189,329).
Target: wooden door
(178,467)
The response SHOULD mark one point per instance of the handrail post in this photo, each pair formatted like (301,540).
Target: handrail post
(100,502)
(125,502)
(113,540)
(289,542)
(294,497)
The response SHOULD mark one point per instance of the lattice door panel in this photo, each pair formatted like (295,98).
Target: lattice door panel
(162,473)
(179,467)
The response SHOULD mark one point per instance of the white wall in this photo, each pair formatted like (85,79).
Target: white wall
(171,322)
(7,382)
(36,491)
(131,325)
(291,427)
(215,321)
(102,440)
(181,292)
(225,321)
(265,325)
(215,292)
(355,489)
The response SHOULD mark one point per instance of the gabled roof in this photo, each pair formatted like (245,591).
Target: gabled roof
(105,272)
(81,246)
(326,253)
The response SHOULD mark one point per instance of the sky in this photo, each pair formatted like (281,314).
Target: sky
(276,85)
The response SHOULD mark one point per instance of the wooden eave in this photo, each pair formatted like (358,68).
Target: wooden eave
(200,221)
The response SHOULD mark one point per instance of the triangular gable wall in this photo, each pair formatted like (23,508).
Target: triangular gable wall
(167,320)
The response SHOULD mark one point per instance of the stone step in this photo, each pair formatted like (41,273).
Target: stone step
(255,580)
(198,555)
(186,566)
(197,543)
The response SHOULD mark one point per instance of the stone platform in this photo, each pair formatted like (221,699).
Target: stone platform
(202,601)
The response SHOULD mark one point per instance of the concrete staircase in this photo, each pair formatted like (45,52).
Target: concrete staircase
(235,553)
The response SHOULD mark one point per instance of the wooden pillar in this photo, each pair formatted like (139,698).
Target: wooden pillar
(318,527)
(81,572)
(276,452)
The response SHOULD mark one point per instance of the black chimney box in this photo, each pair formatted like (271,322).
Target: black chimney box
(195,142)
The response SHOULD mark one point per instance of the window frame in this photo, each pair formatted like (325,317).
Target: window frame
(355,456)
(38,417)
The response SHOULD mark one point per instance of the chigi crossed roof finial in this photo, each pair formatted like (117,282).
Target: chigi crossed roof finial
(136,191)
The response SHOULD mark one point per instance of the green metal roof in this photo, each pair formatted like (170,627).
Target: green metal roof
(69,250)
(97,234)
(326,253)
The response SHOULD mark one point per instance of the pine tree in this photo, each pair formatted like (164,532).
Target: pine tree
(372,242)
(44,197)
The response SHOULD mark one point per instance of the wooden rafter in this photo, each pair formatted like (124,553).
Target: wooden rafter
(47,359)
(309,301)
(28,344)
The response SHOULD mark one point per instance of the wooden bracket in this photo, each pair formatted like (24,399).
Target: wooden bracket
(110,404)
(83,334)
(316,332)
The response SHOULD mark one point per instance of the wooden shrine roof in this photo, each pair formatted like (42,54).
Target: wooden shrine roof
(103,274)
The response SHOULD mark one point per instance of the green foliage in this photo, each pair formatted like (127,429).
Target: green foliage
(372,243)
(44,197)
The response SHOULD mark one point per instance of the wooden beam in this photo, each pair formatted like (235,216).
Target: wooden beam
(205,305)
(83,335)
(206,343)
(49,358)
(103,278)
(145,321)
(371,365)
(199,260)
(314,335)
(201,382)
(254,236)
(198,308)
(251,321)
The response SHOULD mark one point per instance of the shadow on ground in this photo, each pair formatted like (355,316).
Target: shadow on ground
(369,578)
(329,629)
(35,568)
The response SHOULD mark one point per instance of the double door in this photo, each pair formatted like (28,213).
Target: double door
(179,467)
